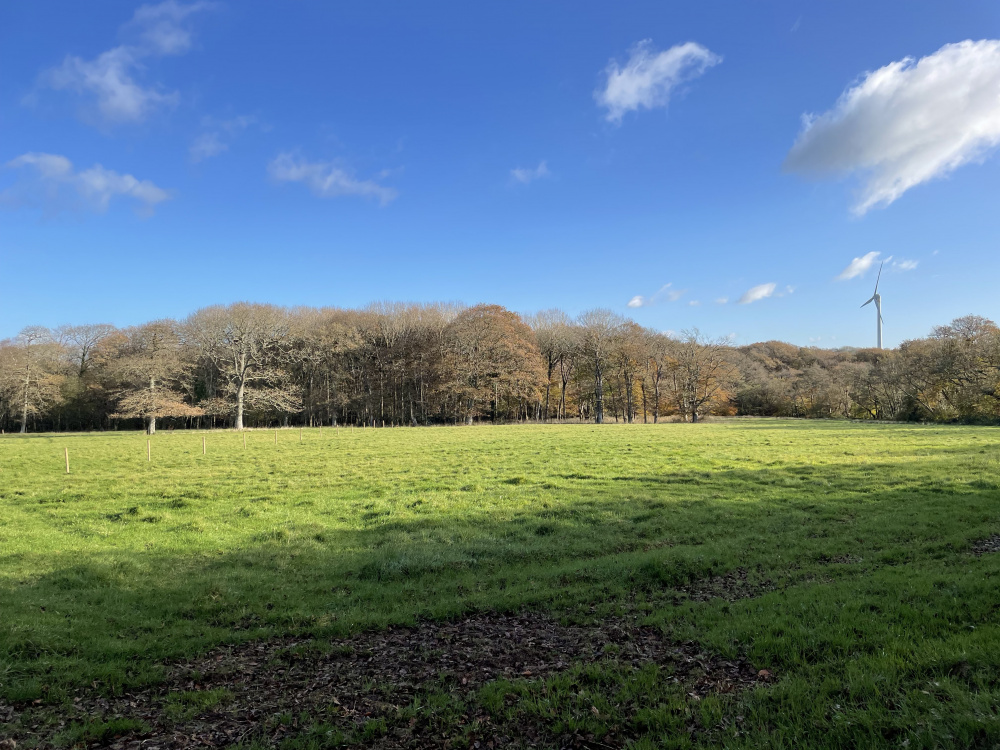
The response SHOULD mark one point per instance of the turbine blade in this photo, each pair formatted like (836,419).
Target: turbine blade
(868,302)
(878,277)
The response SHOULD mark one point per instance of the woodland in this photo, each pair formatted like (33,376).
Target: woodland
(394,364)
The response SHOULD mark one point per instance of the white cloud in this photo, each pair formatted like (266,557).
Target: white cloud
(905,265)
(721,300)
(527,175)
(160,28)
(761,291)
(694,303)
(109,80)
(326,179)
(52,184)
(858,266)
(217,136)
(664,291)
(207,145)
(649,77)
(908,122)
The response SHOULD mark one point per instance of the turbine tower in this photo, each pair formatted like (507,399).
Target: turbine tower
(877,299)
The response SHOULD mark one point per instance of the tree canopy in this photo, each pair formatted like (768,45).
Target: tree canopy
(251,365)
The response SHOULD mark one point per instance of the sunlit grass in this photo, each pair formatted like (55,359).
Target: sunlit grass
(881,626)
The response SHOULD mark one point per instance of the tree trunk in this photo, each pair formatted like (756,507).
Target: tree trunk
(239,407)
(24,410)
(562,400)
(548,387)
(598,395)
(656,399)
(151,426)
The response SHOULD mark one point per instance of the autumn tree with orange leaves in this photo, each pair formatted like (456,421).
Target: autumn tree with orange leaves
(490,357)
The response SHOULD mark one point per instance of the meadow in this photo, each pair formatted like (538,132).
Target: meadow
(746,583)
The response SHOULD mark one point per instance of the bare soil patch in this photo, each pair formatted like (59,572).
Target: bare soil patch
(731,587)
(268,691)
(987,545)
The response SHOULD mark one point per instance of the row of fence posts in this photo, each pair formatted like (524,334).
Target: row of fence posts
(204,443)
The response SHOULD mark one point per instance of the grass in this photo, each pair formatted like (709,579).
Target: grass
(882,628)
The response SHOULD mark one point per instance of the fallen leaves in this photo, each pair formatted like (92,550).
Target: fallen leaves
(372,675)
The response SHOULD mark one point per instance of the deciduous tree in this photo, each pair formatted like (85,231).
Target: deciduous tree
(148,368)
(249,345)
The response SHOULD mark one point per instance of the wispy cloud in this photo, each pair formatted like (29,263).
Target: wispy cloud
(665,292)
(649,77)
(49,182)
(759,292)
(908,122)
(721,300)
(694,303)
(160,28)
(527,175)
(858,266)
(326,179)
(207,145)
(904,265)
(108,83)
(217,135)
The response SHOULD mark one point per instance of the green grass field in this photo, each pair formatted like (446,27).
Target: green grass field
(841,558)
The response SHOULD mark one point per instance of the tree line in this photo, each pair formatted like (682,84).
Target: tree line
(254,365)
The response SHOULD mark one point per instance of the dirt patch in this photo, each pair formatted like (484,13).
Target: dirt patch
(374,687)
(731,587)
(987,545)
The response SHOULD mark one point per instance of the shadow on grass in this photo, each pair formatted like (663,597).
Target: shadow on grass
(115,617)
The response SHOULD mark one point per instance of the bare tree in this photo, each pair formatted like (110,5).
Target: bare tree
(629,353)
(248,344)
(553,333)
(32,372)
(80,342)
(598,329)
(659,350)
(148,367)
(701,373)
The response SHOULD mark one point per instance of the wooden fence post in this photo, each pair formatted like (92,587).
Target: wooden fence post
(66,450)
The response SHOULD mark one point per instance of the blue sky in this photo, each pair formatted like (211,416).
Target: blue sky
(162,157)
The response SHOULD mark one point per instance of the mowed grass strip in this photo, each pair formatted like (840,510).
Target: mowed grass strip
(878,622)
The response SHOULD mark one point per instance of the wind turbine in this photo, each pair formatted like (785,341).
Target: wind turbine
(877,299)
